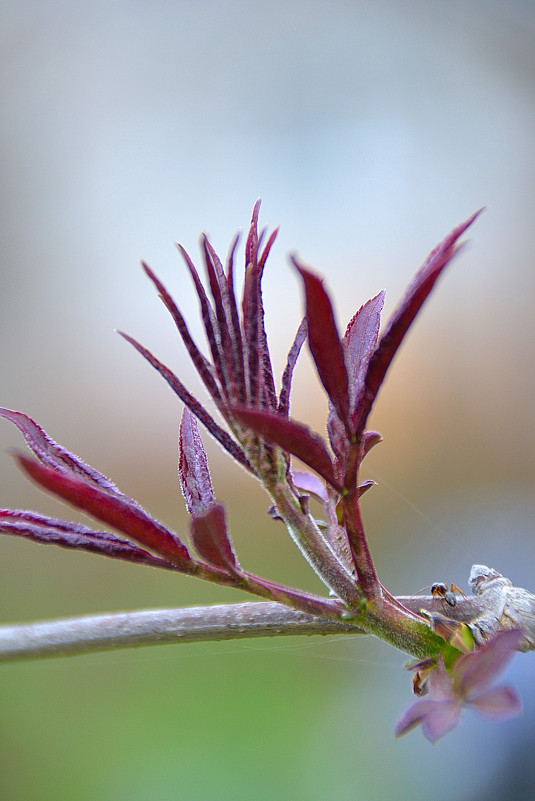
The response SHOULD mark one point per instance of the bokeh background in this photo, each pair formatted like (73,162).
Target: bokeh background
(369,130)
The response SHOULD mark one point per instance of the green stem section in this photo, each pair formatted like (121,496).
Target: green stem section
(403,630)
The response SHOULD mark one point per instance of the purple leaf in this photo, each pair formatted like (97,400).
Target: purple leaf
(267,248)
(234,322)
(50,531)
(218,433)
(193,467)
(359,342)
(286,383)
(293,437)
(325,344)
(52,454)
(211,540)
(209,320)
(400,322)
(251,245)
(227,313)
(308,482)
(202,365)
(218,289)
(116,510)
(252,321)
(369,440)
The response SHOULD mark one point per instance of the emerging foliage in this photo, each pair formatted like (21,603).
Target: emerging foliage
(256,430)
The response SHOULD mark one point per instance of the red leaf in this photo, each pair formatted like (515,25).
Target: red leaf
(325,344)
(286,383)
(209,535)
(50,531)
(398,325)
(193,466)
(218,433)
(52,454)
(209,320)
(116,510)
(359,342)
(293,437)
(202,364)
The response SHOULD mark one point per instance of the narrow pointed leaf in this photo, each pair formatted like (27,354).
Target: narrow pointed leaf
(251,245)
(202,365)
(325,344)
(251,328)
(218,433)
(52,454)
(267,248)
(228,318)
(293,437)
(117,511)
(210,323)
(193,467)
(211,540)
(218,289)
(50,531)
(359,343)
(234,318)
(398,325)
(293,354)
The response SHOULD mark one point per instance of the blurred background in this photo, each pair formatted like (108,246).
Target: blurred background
(369,130)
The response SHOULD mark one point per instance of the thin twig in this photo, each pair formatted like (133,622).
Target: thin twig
(90,633)
(495,605)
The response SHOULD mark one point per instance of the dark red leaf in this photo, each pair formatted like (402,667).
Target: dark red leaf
(293,437)
(227,314)
(259,372)
(218,433)
(267,248)
(337,435)
(50,531)
(234,321)
(401,320)
(210,537)
(286,383)
(52,454)
(251,245)
(202,365)
(116,510)
(210,323)
(369,440)
(325,344)
(364,486)
(359,343)
(193,467)
(218,289)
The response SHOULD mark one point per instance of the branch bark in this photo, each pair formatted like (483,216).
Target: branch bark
(496,605)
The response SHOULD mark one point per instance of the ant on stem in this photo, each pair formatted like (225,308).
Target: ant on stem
(440,590)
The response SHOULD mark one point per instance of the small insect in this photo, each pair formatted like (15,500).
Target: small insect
(440,590)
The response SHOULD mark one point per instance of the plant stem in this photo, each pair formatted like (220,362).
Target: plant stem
(314,547)
(191,624)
